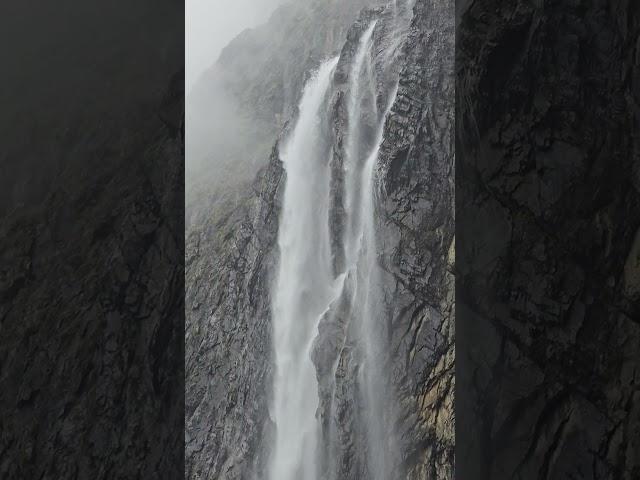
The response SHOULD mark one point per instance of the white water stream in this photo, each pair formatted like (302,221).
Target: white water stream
(305,285)
(361,248)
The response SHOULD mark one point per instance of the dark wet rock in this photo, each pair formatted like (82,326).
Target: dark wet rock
(418,252)
(228,335)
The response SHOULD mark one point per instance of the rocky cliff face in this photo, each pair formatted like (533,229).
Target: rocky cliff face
(228,335)
(548,204)
(417,228)
(231,258)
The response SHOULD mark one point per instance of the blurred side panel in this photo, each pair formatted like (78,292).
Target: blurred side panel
(91,239)
(548,240)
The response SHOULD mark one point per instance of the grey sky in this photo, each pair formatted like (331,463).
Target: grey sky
(211,24)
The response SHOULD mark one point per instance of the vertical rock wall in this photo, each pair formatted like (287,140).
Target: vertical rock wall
(417,230)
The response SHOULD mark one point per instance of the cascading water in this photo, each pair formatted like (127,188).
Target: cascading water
(373,371)
(361,155)
(305,284)
(361,90)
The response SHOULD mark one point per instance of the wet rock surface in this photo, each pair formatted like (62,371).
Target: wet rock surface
(548,212)
(418,252)
(228,335)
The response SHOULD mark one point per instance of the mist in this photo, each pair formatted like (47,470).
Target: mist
(246,65)
(212,24)
(218,156)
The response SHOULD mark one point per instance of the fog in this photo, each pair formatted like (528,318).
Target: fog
(246,64)
(211,24)
(223,139)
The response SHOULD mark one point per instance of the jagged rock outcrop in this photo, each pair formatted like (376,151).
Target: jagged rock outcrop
(228,335)
(548,204)
(231,257)
(417,227)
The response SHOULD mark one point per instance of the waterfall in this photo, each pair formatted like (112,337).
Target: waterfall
(360,77)
(305,285)
(374,375)
(361,155)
